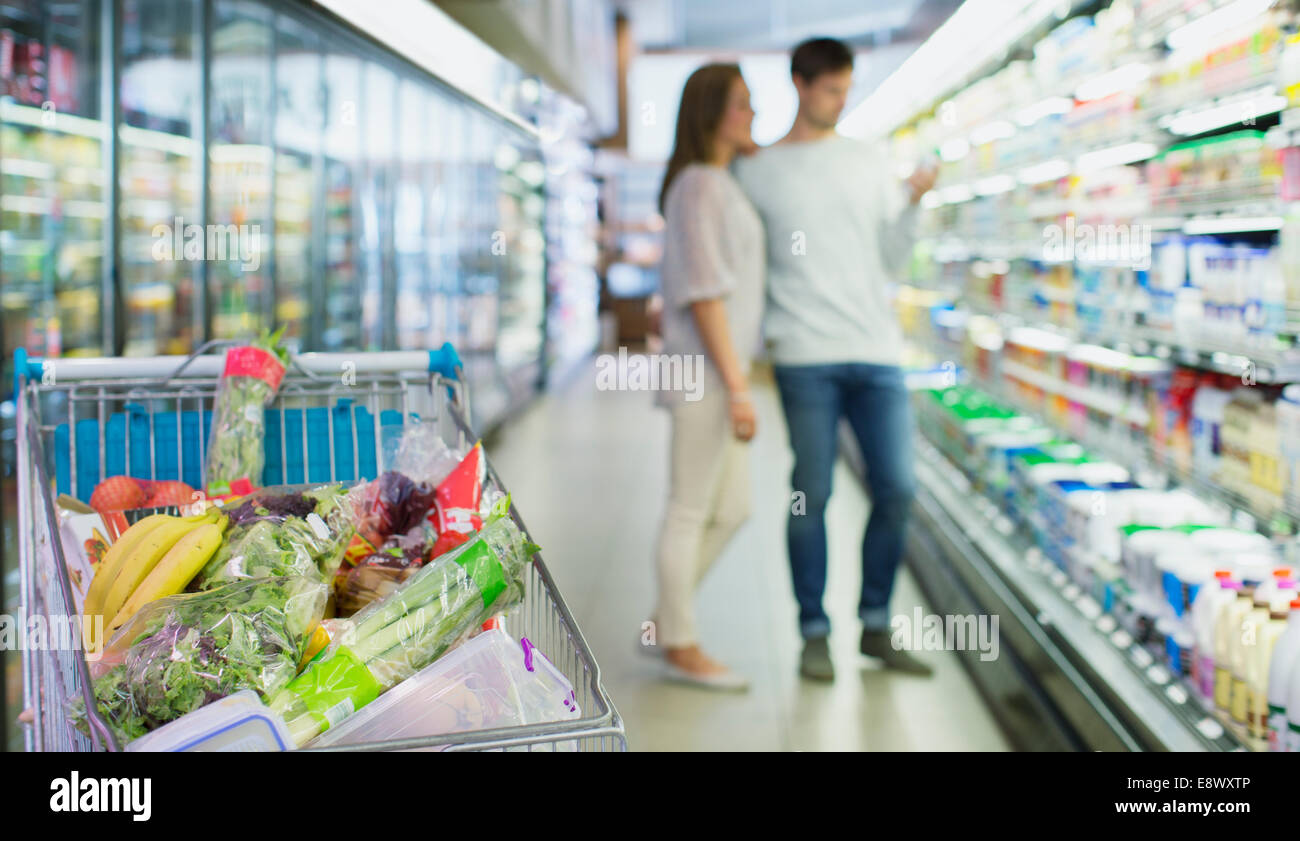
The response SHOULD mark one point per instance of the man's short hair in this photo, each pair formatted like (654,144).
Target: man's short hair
(820,55)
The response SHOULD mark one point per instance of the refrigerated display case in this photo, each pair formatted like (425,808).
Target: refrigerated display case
(1104,277)
(317,182)
(418,147)
(51,178)
(572,231)
(241,161)
(375,203)
(299,123)
(338,312)
(159,174)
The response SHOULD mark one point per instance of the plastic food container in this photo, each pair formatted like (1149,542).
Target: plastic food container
(488,682)
(238,723)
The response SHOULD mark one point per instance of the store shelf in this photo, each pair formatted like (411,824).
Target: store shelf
(1256,364)
(1109,687)
(1120,448)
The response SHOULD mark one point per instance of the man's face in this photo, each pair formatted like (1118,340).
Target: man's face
(822,100)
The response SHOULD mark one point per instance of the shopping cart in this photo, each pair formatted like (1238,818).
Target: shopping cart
(336,415)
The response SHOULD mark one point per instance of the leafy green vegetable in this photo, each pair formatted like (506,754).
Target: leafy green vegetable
(235,446)
(274,533)
(183,652)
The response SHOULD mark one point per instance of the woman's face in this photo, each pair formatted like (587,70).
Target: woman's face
(737,118)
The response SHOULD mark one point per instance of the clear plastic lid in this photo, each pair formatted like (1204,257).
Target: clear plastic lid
(238,723)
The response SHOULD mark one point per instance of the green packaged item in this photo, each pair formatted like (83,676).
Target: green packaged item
(392,639)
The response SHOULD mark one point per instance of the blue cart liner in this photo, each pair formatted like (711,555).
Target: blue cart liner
(286,461)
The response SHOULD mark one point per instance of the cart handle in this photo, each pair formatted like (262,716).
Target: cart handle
(443,361)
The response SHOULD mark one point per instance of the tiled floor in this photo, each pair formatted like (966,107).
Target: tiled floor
(588,469)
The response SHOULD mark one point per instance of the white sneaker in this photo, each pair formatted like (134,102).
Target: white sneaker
(725,681)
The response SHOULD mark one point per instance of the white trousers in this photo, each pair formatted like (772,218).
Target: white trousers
(708,499)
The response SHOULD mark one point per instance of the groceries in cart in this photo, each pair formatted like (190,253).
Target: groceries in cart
(235,623)
(126,493)
(282,531)
(236,445)
(158,556)
(405,523)
(261,569)
(392,639)
(489,682)
(182,652)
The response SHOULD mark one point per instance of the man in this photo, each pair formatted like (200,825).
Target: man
(837,224)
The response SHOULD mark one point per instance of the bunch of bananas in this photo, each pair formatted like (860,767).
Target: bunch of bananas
(156,557)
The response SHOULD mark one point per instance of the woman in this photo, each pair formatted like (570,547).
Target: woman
(713,292)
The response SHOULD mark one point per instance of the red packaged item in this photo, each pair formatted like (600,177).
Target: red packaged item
(456,503)
(118,493)
(391,504)
(378,575)
(123,493)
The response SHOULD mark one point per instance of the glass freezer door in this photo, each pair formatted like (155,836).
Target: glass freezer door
(339,311)
(299,122)
(52,207)
(240,157)
(159,177)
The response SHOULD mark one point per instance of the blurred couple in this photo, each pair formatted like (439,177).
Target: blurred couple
(795,242)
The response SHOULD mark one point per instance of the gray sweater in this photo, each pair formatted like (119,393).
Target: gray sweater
(838,225)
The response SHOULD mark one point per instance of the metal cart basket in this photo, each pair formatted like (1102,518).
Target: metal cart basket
(79,421)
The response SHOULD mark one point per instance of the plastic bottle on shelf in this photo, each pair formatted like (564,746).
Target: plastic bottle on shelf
(1184,577)
(1142,551)
(1208,405)
(1250,668)
(1241,292)
(1228,629)
(1273,298)
(1168,274)
(1238,418)
(1205,609)
(1288,432)
(1284,665)
(1266,483)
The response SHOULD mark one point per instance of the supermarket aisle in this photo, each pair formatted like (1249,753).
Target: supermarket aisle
(588,468)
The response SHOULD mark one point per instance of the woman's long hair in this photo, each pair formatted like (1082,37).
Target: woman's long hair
(704,100)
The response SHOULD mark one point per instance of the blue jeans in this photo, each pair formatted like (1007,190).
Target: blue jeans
(875,401)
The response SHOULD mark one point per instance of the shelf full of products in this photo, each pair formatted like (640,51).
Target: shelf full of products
(1130,185)
(1126,593)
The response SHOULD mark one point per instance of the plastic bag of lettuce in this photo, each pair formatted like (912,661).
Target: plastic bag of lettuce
(182,652)
(282,531)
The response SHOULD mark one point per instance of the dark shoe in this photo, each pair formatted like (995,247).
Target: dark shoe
(815,662)
(878,644)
